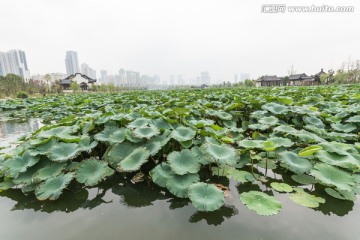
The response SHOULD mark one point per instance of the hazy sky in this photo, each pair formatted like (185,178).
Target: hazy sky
(185,37)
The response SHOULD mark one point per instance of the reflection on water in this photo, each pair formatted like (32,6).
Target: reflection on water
(11,129)
(119,209)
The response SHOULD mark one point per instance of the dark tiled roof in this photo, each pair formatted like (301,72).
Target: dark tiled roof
(297,76)
(270,78)
(68,80)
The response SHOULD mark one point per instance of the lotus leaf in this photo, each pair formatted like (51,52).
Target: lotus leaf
(53,187)
(341,194)
(179,184)
(20,164)
(354,119)
(272,121)
(206,197)
(134,161)
(309,150)
(139,122)
(344,161)
(63,152)
(284,142)
(250,144)
(224,154)
(183,162)
(281,187)
(182,134)
(90,172)
(50,171)
(161,173)
(305,199)
(333,176)
(347,128)
(146,132)
(295,163)
(261,203)
(304,179)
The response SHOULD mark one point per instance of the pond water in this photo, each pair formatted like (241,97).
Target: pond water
(119,209)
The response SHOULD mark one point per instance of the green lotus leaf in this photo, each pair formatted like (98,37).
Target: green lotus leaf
(20,164)
(202,123)
(224,115)
(304,179)
(206,197)
(85,144)
(275,108)
(258,126)
(182,134)
(333,176)
(50,171)
(224,154)
(60,132)
(178,185)
(27,188)
(285,100)
(6,185)
(87,127)
(341,194)
(269,146)
(63,152)
(295,163)
(130,136)
(162,124)
(27,177)
(202,156)
(238,175)
(43,149)
(183,162)
(267,164)
(91,171)
(261,203)
(305,199)
(161,173)
(346,128)
(229,124)
(281,142)
(336,147)
(285,129)
(118,152)
(139,122)
(314,121)
(281,187)
(153,146)
(146,132)
(52,188)
(354,119)
(309,150)
(250,144)
(111,135)
(272,121)
(344,161)
(134,161)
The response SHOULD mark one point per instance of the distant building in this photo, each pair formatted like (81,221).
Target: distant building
(301,79)
(122,77)
(205,78)
(81,79)
(14,61)
(104,77)
(133,78)
(72,63)
(88,71)
(268,81)
(244,76)
(235,78)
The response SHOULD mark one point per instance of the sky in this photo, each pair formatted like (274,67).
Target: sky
(171,37)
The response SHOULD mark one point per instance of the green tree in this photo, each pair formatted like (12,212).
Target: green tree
(249,83)
(75,86)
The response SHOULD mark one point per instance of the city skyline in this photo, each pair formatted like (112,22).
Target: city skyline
(14,61)
(169,38)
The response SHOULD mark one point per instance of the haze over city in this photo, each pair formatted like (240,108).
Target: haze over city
(179,37)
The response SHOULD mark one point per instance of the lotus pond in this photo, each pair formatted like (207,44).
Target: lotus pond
(271,163)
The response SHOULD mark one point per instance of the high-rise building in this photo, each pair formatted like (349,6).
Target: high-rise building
(205,78)
(88,71)
(133,78)
(244,76)
(104,76)
(14,61)
(122,77)
(72,62)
